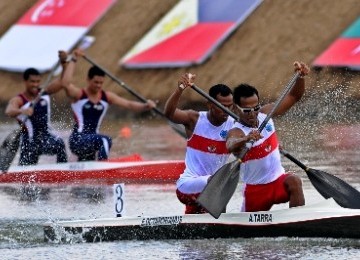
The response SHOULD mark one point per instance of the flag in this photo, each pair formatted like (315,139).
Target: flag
(344,51)
(46,28)
(189,33)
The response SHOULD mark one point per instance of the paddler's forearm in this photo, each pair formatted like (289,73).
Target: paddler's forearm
(172,103)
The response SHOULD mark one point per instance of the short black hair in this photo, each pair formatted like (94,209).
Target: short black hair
(95,71)
(221,89)
(244,90)
(30,71)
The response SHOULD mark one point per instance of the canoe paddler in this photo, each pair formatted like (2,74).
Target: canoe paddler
(206,140)
(265,180)
(32,109)
(89,106)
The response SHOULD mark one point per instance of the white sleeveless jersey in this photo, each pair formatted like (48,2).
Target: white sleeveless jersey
(261,163)
(206,149)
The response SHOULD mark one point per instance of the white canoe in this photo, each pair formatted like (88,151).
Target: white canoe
(326,219)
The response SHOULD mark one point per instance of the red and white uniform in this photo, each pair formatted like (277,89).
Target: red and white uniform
(206,152)
(261,170)
(261,163)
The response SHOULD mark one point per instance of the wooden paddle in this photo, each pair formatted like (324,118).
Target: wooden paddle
(326,184)
(178,128)
(223,183)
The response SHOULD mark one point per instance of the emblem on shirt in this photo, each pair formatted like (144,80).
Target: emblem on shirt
(42,103)
(223,134)
(211,148)
(268,148)
(98,107)
(268,127)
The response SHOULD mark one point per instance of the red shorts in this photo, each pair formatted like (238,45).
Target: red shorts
(191,206)
(261,197)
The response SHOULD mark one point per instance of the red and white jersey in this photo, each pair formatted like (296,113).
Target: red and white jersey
(206,149)
(261,163)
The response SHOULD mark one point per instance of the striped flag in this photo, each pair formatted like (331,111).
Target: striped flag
(49,26)
(344,51)
(189,33)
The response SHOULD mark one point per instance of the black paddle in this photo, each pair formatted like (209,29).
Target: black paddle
(178,128)
(223,183)
(326,184)
(329,186)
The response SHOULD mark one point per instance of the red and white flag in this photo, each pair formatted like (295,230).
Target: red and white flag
(46,28)
(189,33)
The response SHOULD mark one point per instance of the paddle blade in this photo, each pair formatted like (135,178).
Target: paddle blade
(331,186)
(220,189)
(8,149)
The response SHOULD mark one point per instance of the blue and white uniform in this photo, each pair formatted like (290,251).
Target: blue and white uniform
(36,138)
(85,140)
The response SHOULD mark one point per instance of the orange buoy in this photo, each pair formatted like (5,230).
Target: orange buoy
(125,132)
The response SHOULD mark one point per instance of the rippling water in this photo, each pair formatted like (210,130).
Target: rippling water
(330,147)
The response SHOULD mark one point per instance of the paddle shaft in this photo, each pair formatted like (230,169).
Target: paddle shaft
(294,160)
(214,101)
(178,128)
(122,84)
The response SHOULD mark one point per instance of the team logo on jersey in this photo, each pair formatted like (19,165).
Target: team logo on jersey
(223,134)
(42,103)
(268,127)
(211,148)
(268,148)
(98,107)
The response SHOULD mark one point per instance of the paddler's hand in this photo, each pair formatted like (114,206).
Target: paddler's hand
(254,135)
(78,53)
(63,57)
(27,111)
(302,68)
(150,104)
(186,80)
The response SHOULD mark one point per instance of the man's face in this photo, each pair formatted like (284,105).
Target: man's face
(32,84)
(96,83)
(218,114)
(249,108)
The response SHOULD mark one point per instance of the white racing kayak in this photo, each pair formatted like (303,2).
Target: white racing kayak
(325,219)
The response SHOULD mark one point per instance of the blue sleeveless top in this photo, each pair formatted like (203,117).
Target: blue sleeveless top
(89,115)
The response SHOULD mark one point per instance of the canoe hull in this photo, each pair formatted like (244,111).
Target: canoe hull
(330,221)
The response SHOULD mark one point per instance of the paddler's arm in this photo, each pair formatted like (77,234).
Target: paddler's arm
(67,77)
(13,108)
(135,106)
(186,117)
(294,95)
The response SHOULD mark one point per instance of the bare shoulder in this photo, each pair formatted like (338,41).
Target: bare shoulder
(266,108)
(17,100)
